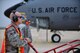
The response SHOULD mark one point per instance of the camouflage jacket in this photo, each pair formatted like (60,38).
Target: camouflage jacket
(13,41)
(26,33)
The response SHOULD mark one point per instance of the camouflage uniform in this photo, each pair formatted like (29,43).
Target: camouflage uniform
(25,29)
(13,41)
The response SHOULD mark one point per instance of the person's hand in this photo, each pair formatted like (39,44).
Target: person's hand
(27,22)
(28,40)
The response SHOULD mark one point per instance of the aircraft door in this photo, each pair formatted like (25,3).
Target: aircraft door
(42,22)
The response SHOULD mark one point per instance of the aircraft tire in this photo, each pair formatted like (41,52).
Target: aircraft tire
(76,50)
(55,38)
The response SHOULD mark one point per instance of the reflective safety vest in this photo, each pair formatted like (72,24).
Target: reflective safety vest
(3,49)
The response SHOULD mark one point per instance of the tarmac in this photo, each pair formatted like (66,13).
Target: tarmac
(40,42)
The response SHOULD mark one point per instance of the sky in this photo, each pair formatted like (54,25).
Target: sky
(5,4)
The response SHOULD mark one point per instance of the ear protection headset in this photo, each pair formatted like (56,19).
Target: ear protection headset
(14,18)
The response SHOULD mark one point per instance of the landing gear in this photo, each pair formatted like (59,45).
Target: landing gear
(74,50)
(55,38)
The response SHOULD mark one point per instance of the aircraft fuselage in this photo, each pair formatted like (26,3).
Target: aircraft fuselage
(53,14)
